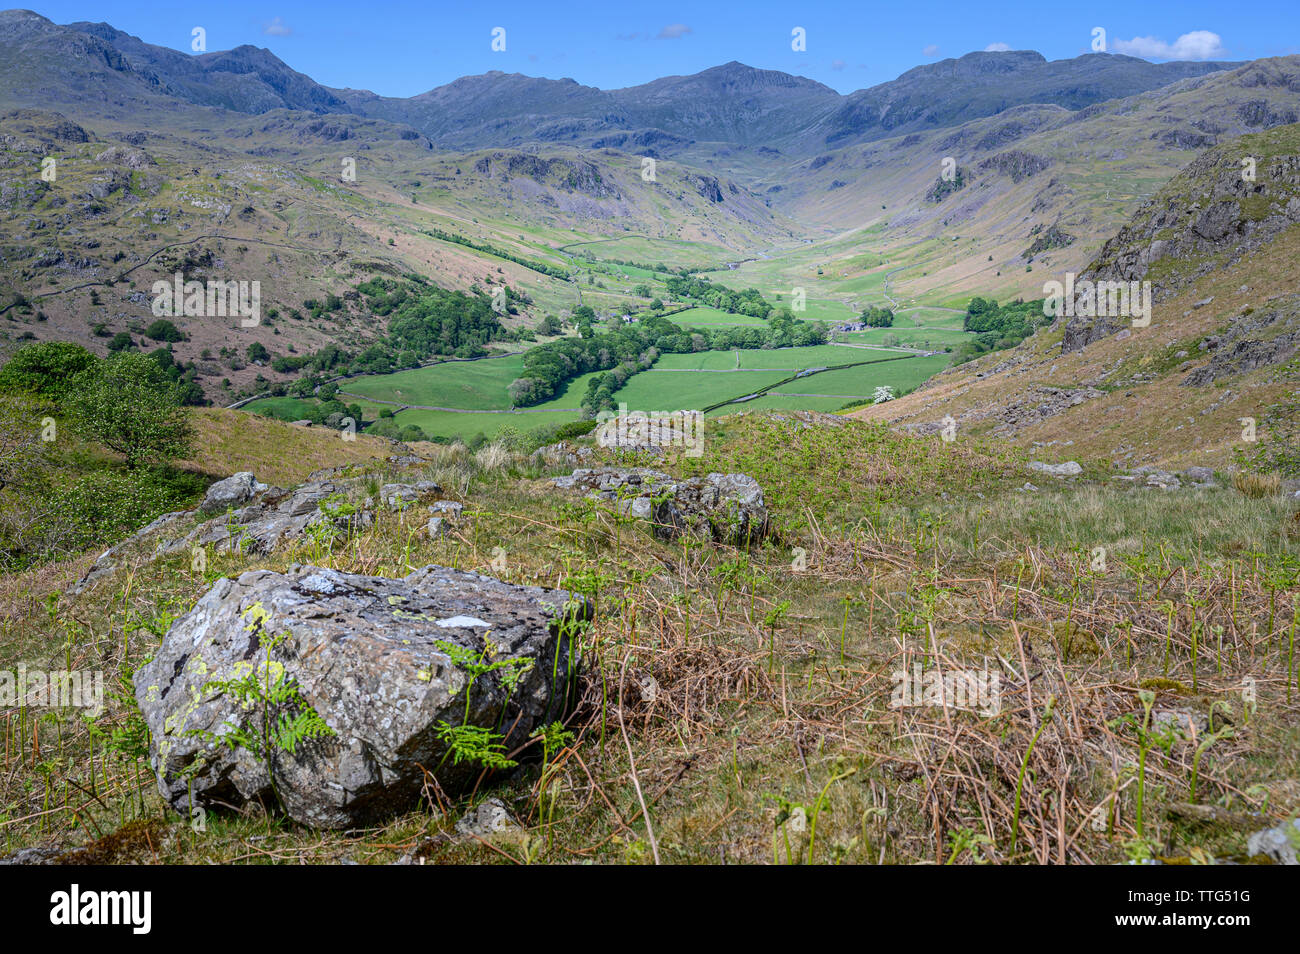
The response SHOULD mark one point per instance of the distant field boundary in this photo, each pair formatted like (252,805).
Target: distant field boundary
(806,373)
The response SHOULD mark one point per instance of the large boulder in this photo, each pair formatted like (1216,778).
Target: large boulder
(725,508)
(388,665)
(232,492)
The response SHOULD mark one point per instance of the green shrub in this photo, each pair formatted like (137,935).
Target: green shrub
(129,405)
(95,509)
(46,369)
(574,429)
(164,330)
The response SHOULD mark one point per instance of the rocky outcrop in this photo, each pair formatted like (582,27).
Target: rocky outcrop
(386,670)
(401,496)
(1043,402)
(1070,468)
(1253,341)
(724,508)
(706,185)
(1209,216)
(563,453)
(643,434)
(232,492)
(1016,164)
(268,518)
(1047,239)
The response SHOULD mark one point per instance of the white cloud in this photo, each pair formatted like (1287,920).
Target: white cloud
(837,64)
(674,31)
(1197,45)
(931,50)
(277,27)
(997,48)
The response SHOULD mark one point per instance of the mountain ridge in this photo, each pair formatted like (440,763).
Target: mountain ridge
(740,104)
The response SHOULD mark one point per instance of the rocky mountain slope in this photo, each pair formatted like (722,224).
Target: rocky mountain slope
(1213,378)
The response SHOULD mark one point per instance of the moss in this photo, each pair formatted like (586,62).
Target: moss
(136,842)
(1161,684)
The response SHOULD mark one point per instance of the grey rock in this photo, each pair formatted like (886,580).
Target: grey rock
(1043,402)
(379,660)
(401,496)
(32,856)
(124,156)
(231,492)
(1070,468)
(274,517)
(1162,479)
(1200,475)
(1260,340)
(437,527)
(406,460)
(563,454)
(1279,843)
(725,508)
(489,817)
(448,508)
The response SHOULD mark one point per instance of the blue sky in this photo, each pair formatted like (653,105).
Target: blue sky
(402,48)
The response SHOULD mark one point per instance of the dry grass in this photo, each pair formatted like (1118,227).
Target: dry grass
(1256,486)
(492,457)
(735,710)
(277,453)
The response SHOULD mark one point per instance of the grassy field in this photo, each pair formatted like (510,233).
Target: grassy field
(899,375)
(473,385)
(683,390)
(684,381)
(637,248)
(449,389)
(705,317)
(451,424)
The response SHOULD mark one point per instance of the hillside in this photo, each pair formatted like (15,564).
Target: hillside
(1219,252)
(749,687)
(265,201)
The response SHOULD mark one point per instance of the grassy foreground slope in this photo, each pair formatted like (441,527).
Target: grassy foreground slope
(753,690)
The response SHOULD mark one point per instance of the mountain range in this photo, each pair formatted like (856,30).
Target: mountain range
(730,103)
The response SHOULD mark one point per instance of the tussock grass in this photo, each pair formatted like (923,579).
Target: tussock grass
(1257,485)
